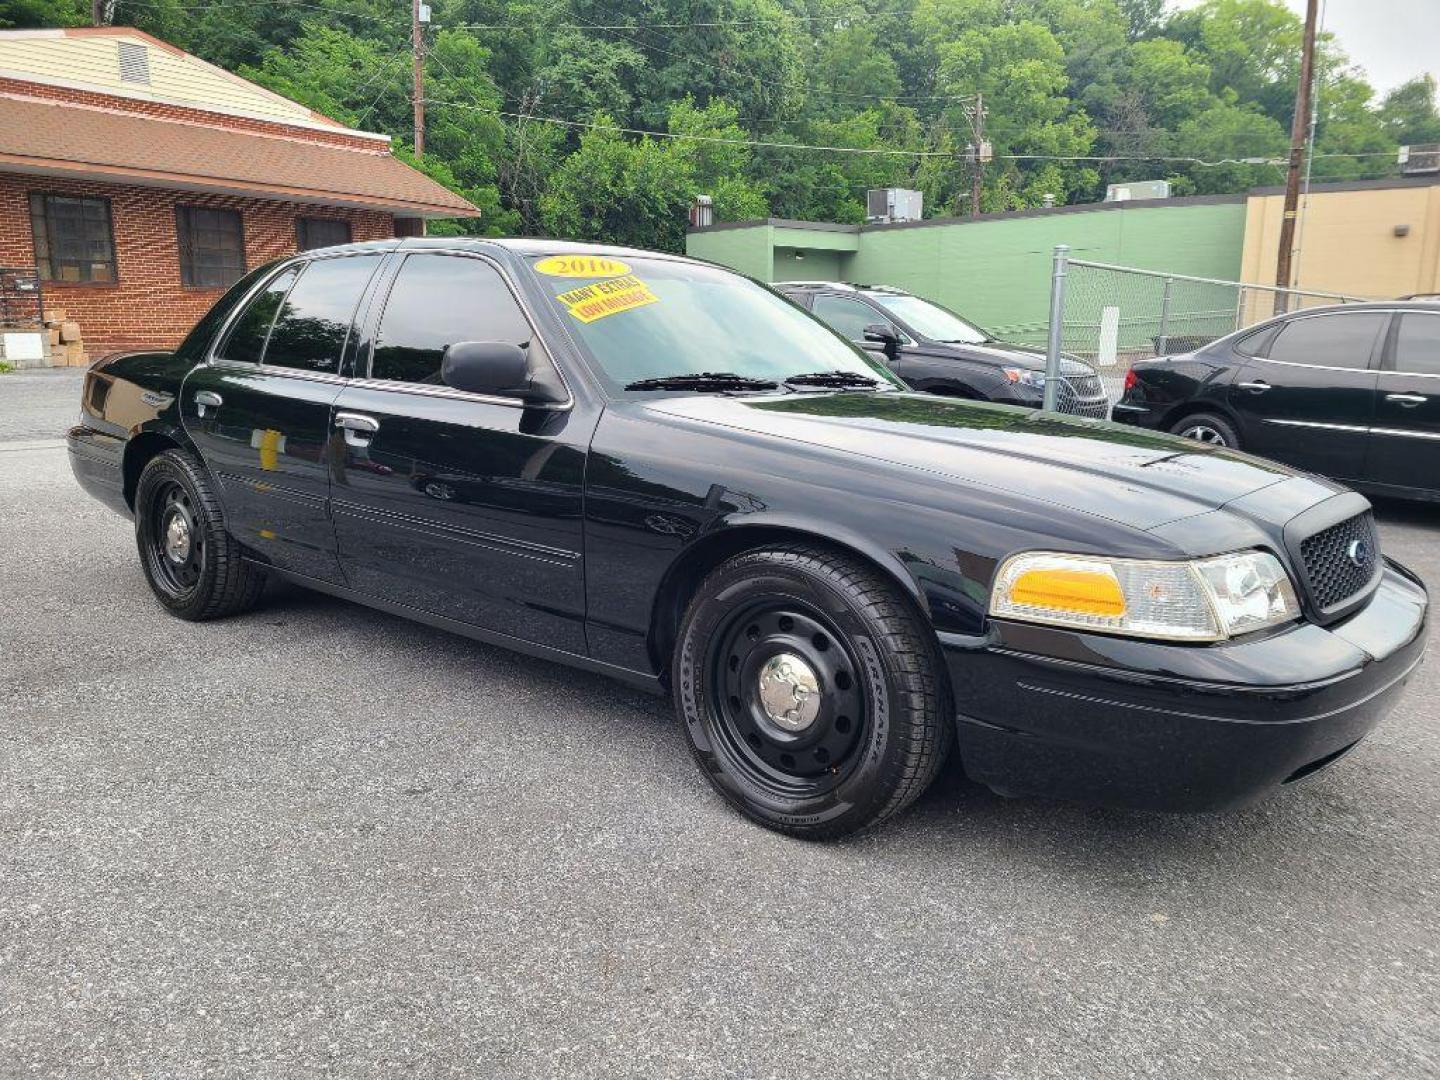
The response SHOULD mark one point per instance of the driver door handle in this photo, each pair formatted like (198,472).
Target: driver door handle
(206,399)
(1259,386)
(359,429)
(1407,401)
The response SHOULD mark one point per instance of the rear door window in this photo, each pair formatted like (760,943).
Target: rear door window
(315,319)
(436,301)
(1344,340)
(1417,344)
(246,340)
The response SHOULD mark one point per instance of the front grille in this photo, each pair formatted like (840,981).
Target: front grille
(1341,560)
(1083,395)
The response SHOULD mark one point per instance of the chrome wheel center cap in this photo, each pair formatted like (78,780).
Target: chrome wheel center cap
(177,539)
(789,692)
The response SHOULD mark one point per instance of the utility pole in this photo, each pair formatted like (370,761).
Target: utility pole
(977,161)
(419,16)
(1298,138)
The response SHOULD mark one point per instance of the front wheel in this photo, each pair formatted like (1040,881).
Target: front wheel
(1209,429)
(810,692)
(193,565)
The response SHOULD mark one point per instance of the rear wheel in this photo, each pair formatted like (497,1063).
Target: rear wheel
(1209,429)
(193,565)
(810,692)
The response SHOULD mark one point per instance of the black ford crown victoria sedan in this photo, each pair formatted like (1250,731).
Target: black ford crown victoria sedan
(658,469)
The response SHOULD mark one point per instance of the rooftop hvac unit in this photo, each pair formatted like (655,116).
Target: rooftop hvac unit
(1138,189)
(884,206)
(1420,160)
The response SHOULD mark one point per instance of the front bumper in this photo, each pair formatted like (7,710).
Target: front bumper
(1172,727)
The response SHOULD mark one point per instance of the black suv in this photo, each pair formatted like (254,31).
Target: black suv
(937,351)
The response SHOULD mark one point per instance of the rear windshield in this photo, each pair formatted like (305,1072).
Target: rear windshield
(644,318)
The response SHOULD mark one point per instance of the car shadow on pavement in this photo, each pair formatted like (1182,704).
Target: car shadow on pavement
(953,819)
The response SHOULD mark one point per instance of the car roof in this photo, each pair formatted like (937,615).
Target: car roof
(840,286)
(1367,305)
(518,245)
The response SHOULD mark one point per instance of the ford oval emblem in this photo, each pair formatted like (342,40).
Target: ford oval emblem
(1358,553)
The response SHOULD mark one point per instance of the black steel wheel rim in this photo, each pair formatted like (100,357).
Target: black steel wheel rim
(177,545)
(810,749)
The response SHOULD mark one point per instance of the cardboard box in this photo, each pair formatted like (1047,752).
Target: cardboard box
(69,331)
(54,335)
(54,316)
(74,354)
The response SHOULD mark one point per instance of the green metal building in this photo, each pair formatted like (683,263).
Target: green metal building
(994,269)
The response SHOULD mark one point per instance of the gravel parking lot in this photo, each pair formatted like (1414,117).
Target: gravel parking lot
(320,839)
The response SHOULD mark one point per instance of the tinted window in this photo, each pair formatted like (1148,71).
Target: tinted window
(436,301)
(1254,344)
(247,337)
(1417,345)
(849,317)
(212,246)
(1338,341)
(316,316)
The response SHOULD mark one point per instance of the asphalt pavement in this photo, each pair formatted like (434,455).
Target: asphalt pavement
(320,840)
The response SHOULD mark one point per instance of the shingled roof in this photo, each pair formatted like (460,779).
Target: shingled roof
(57,138)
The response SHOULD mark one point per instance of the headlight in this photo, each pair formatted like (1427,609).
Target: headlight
(1200,600)
(1025,377)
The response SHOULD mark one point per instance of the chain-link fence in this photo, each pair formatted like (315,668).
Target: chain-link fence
(1111,316)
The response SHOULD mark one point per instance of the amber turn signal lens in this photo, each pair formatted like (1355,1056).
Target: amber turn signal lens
(1086,592)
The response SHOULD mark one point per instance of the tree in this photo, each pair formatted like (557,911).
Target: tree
(1409,114)
(1227,132)
(637,191)
(1019,68)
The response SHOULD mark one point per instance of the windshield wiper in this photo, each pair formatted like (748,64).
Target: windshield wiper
(704,380)
(839,379)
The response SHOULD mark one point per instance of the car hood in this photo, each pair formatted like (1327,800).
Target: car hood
(1136,477)
(1000,352)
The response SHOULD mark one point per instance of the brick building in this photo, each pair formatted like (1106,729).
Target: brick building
(140,181)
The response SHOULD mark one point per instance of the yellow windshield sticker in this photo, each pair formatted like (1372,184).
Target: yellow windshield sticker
(591,302)
(581,266)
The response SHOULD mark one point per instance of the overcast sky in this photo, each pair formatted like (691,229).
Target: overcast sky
(1393,40)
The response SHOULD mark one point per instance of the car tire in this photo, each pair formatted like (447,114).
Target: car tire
(871,733)
(194,566)
(1209,429)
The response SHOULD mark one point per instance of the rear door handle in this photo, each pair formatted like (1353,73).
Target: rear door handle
(1407,401)
(359,429)
(207,399)
(1259,386)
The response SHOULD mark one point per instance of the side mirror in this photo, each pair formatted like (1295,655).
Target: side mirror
(497,368)
(882,333)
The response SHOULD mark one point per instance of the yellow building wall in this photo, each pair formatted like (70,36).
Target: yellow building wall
(94,62)
(1349,243)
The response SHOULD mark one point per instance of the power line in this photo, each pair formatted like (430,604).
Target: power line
(865,150)
(856,17)
(154,5)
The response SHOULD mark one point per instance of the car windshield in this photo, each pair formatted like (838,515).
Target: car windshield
(655,319)
(931,320)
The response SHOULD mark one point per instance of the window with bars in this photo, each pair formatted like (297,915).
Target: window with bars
(313,232)
(73,238)
(212,247)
